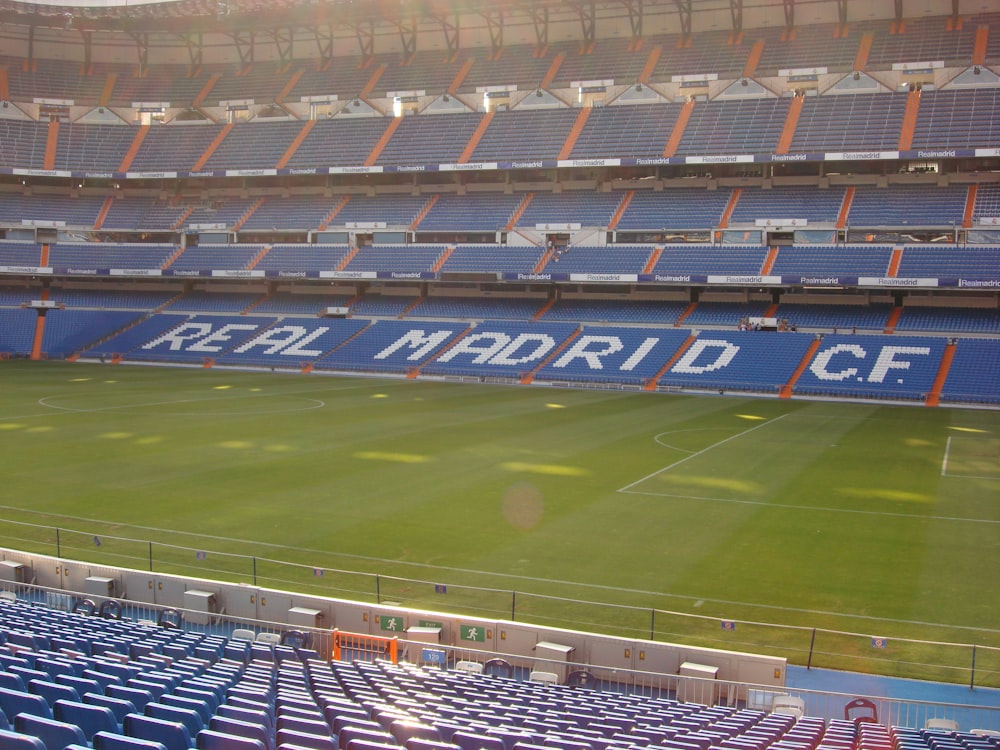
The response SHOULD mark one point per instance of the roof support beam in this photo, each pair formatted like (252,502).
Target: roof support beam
(141,39)
(540,18)
(736,14)
(587,15)
(324,43)
(87,47)
(408,36)
(195,45)
(245,42)
(366,40)
(634,9)
(789,6)
(450,29)
(684,16)
(284,43)
(494,24)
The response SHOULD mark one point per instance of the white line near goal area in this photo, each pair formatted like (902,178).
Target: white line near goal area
(948,455)
(713,446)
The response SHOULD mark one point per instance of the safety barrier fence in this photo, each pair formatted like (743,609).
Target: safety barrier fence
(965,656)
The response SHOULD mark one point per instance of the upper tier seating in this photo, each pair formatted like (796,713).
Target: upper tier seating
(394,210)
(849,122)
(677,208)
(788,202)
(832,260)
(177,146)
(20,253)
(132,213)
(293,212)
(490,258)
(894,206)
(924,39)
(743,126)
(694,259)
(471,212)
(92,148)
(958,119)
(95,255)
(525,135)
(640,130)
(604,259)
(293,258)
(254,145)
(395,258)
(339,142)
(79,211)
(584,207)
(216,257)
(429,139)
(937,261)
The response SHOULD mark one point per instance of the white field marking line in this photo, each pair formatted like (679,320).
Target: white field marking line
(944,467)
(811,508)
(69,410)
(713,446)
(318,404)
(512,576)
(656,438)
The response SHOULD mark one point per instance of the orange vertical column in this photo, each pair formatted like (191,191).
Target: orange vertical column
(51,142)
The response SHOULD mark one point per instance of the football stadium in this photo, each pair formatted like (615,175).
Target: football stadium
(500,375)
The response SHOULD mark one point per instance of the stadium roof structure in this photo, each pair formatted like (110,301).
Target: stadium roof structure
(454,24)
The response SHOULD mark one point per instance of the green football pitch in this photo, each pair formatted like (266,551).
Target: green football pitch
(637,514)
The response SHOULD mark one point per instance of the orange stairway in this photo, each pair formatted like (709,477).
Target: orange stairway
(574,133)
(219,138)
(383,141)
(678,130)
(140,136)
(787,388)
(477,135)
(909,120)
(934,396)
(791,120)
(51,142)
(294,145)
(650,384)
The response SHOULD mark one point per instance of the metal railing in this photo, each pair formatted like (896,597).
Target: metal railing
(965,656)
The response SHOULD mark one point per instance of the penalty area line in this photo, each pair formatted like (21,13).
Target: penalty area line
(713,446)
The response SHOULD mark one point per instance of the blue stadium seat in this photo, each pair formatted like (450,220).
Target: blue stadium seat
(209,739)
(109,741)
(240,728)
(190,718)
(13,702)
(56,735)
(173,734)
(53,691)
(118,706)
(89,717)
(17,741)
